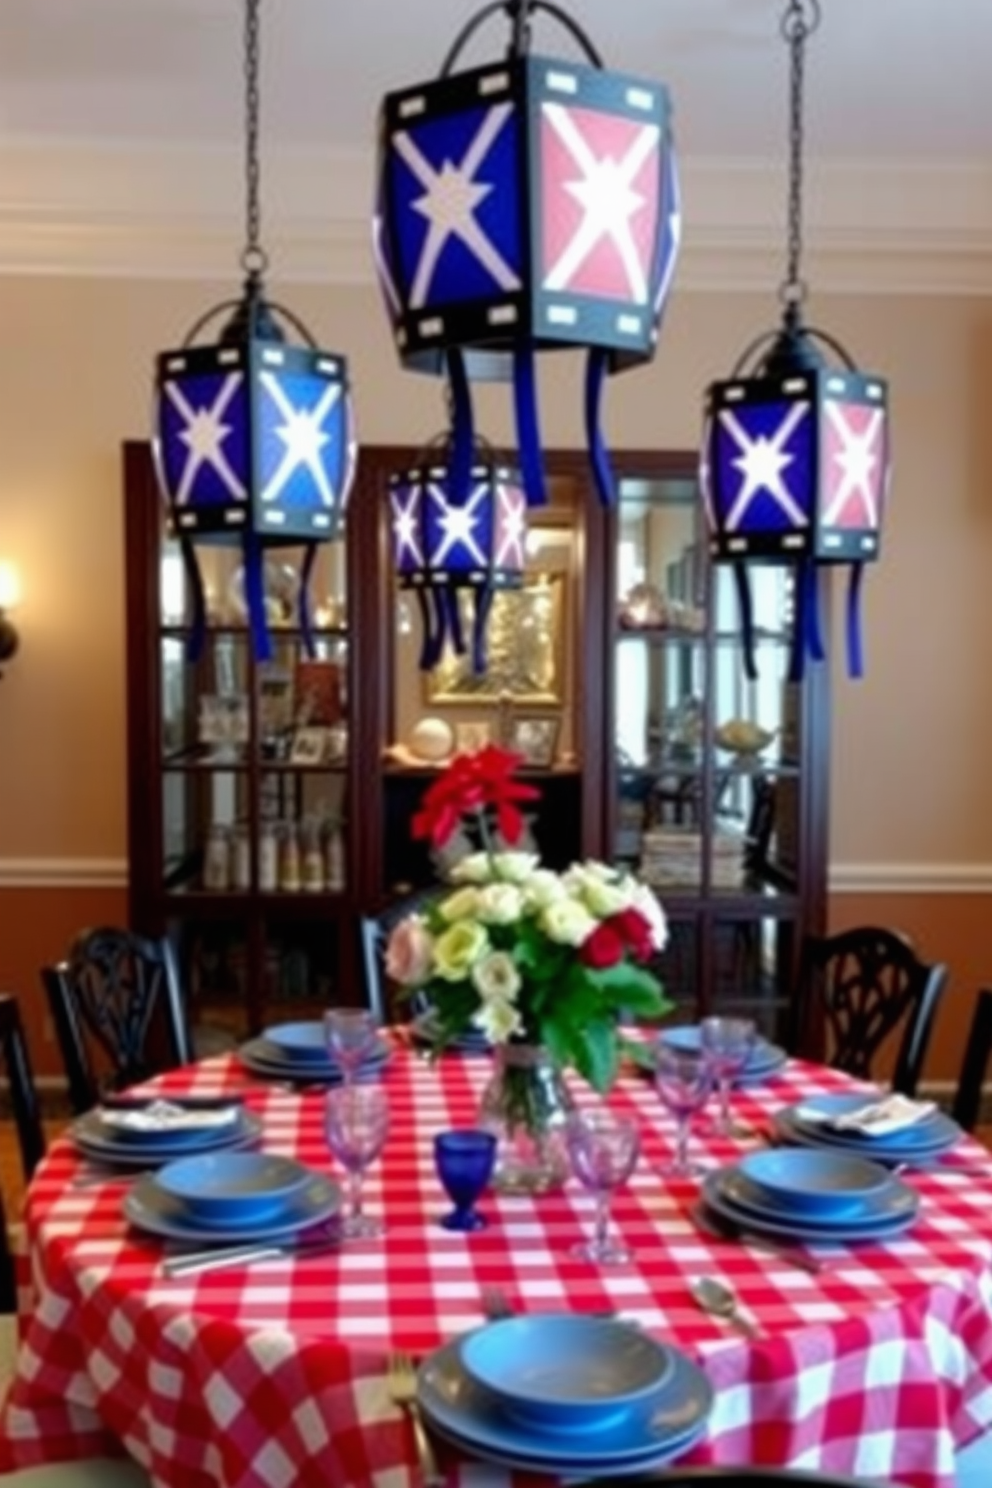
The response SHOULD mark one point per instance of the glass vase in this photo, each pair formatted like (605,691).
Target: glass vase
(526,1105)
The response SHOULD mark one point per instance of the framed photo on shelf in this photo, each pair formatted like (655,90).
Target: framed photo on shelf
(471,735)
(309,747)
(535,739)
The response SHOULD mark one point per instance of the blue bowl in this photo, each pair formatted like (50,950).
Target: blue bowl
(688,1036)
(809,1181)
(566,1372)
(300,1043)
(234,1187)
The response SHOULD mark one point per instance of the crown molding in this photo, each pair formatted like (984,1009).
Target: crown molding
(152,212)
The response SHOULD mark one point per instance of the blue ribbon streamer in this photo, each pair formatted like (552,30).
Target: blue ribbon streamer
(449,595)
(427,629)
(258,624)
(198,618)
(528,429)
(484,595)
(596,368)
(855,655)
(303,603)
(806,637)
(462,430)
(746,609)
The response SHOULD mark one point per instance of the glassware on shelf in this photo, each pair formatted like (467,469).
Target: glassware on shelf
(268,858)
(217,859)
(334,858)
(240,857)
(289,859)
(312,858)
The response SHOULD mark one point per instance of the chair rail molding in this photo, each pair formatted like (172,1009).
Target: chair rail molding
(910,878)
(63,873)
(174,212)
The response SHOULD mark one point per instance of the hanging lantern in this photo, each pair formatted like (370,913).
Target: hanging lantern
(445,545)
(254,441)
(524,206)
(795,455)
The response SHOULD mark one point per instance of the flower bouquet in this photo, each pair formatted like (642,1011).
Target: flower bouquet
(538,960)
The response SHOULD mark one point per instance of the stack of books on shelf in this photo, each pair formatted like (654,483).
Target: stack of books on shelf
(673,856)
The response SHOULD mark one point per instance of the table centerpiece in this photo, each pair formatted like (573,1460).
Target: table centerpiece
(546,964)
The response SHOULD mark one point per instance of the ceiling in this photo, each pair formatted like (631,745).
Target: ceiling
(903,80)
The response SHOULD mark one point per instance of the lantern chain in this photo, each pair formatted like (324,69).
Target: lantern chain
(800,20)
(254,259)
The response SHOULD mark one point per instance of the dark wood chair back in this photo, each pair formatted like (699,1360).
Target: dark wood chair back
(977,1058)
(861,986)
(27,1119)
(374,931)
(118,1012)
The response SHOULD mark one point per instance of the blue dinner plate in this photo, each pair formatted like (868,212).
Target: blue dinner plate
(895,1201)
(763,1061)
(929,1137)
(653,1432)
(302,1042)
(95,1142)
(264,1058)
(199,1123)
(234,1188)
(763,1220)
(815,1181)
(150,1208)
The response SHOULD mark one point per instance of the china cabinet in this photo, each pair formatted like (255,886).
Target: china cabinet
(270,804)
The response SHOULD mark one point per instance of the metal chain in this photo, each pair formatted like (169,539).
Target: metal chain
(520,23)
(254,259)
(800,20)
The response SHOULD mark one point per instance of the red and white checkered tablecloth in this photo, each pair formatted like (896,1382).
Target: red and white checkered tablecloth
(273,1375)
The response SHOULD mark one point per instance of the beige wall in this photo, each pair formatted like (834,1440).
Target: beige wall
(911,784)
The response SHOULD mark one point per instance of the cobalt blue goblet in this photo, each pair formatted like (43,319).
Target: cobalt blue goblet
(464,1162)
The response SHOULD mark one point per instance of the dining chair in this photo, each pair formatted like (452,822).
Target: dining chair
(374,931)
(977,1055)
(118,1012)
(861,986)
(22,1093)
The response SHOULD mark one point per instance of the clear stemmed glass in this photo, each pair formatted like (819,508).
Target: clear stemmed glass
(357,1123)
(351,1035)
(683,1080)
(726,1045)
(603,1148)
(464,1162)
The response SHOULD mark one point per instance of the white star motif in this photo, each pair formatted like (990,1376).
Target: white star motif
(510,553)
(450,198)
(458,525)
(609,202)
(761,462)
(405,531)
(857,459)
(304,436)
(204,436)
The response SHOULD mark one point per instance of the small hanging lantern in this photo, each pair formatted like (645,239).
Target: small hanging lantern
(254,440)
(795,453)
(446,544)
(527,205)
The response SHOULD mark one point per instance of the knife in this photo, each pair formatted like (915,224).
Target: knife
(724,1229)
(195,1262)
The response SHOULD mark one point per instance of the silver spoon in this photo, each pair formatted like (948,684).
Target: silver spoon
(720,1301)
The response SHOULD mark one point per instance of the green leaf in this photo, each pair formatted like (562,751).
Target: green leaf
(596,1055)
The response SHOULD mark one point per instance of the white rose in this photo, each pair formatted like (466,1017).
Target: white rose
(647,904)
(498,1020)
(462,905)
(543,888)
(567,922)
(476,868)
(496,978)
(514,867)
(500,904)
(605,899)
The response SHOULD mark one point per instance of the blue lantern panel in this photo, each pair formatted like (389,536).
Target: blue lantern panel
(305,444)
(204,448)
(760,484)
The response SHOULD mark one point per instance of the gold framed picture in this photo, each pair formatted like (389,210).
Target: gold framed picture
(309,746)
(525,649)
(535,739)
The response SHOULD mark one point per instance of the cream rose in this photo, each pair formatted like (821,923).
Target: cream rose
(496,978)
(567,922)
(458,948)
(543,888)
(499,904)
(462,905)
(647,904)
(514,867)
(604,899)
(408,952)
(475,869)
(498,1020)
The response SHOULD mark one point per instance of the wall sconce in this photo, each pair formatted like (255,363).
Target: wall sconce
(10,593)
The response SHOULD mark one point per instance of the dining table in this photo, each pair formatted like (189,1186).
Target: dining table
(271,1373)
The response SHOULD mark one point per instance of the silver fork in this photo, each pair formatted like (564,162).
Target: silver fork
(402,1379)
(495,1303)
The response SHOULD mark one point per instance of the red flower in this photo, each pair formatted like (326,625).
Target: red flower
(602,948)
(635,932)
(474,783)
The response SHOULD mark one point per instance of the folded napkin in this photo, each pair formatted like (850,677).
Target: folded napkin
(879,1118)
(165,1115)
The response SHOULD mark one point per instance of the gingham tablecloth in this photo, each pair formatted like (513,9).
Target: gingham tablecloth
(273,1375)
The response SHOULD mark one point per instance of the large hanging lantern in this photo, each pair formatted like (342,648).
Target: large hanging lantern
(527,205)
(795,456)
(448,542)
(254,438)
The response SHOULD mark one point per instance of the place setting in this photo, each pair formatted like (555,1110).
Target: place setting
(889,1129)
(345,1045)
(564,1394)
(135,1132)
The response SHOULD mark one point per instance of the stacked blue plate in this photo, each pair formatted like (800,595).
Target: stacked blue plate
(298,1052)
(142,1133)
(228,1196)
(810,1124)
(801,1194)
(764,1060)
(565,1395)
